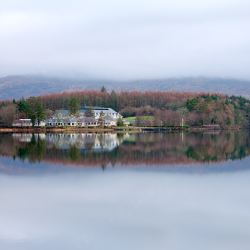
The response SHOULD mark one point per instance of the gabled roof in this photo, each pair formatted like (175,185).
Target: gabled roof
(85,108)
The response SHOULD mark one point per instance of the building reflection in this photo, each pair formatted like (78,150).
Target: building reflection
(90,141)
(93,149)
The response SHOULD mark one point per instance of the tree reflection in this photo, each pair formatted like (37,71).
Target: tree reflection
(127,149)
(74,153)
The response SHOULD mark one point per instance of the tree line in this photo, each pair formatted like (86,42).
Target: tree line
(160,108)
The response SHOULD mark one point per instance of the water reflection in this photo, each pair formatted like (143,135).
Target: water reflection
(124,208)
(88,149)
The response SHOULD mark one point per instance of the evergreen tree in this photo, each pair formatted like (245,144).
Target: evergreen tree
(103,89)
(113,100)
(74,105)
(39,112)
(120,122)
(23,106)
(33,109)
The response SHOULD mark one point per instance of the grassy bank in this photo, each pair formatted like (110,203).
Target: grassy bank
(68,130)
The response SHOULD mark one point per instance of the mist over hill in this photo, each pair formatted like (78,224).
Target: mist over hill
(32,85)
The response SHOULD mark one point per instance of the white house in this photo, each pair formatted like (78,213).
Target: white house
(97,111)
(40,124)
(62,118)
(27,123)
(22,123)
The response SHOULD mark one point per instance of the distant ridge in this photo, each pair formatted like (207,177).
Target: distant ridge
(32,85)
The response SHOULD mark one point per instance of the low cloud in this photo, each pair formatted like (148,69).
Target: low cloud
(126,39)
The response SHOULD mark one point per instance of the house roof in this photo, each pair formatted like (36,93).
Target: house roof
(83,109)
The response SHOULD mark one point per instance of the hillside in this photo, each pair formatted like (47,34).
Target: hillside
(25,86)
(162,107)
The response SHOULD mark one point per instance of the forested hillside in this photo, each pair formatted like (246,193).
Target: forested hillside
(32,85)
(149,108)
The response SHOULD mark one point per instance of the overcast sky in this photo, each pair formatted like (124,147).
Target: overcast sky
(125,38)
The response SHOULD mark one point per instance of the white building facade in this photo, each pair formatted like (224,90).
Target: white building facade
(100,116)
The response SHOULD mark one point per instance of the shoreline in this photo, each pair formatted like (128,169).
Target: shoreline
(65,130)
(54,130)
(114,129)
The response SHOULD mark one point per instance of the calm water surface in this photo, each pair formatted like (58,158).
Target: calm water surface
(125,191)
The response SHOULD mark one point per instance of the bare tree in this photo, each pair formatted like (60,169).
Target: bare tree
(7,115)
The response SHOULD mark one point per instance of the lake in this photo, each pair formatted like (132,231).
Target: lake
(125,191)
